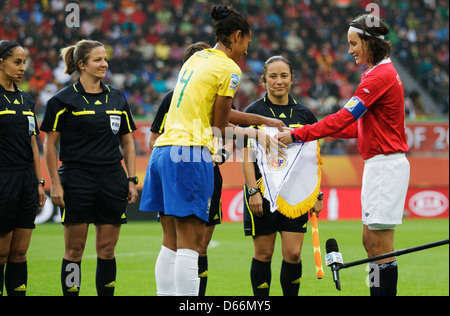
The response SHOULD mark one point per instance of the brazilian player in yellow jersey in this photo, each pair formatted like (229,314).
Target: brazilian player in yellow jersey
(204,76)
(180,178)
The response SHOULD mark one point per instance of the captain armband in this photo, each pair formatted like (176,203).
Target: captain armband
(356,107)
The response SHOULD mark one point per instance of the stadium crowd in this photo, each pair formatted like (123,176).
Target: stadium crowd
(145,40)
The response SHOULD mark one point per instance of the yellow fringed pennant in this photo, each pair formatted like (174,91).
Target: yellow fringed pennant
(290,182)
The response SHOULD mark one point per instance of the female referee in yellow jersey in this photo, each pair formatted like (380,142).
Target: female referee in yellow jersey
(92,122)
(180,178)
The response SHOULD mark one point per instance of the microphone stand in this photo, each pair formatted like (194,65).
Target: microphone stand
(391,254)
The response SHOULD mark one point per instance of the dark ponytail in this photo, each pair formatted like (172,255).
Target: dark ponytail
(227,21)
(6,48)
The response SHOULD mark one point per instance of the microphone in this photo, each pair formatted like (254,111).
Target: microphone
(14,76)
(267,85)
(92,73)
(334,259)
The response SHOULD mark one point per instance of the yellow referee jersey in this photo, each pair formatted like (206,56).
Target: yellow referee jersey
(205,75)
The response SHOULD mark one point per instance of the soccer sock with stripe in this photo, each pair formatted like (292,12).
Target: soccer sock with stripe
(2,269)
(70,277)
(388,278)
(105,278)
(203,274)
(16,276)
(164,272)
(260,275)
(290,278)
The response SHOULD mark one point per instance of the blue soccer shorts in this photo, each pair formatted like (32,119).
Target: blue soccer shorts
(179,182)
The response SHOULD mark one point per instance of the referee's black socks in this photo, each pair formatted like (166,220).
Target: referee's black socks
(16,276)
(261,275)
(202,274)
(290,277)
(105,278)
(70,277)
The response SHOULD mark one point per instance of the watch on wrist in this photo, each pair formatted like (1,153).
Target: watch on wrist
(135,180)
(253,191)
(320,196)
(293,138)
(42,181)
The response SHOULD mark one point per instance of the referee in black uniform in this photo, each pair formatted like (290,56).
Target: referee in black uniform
(91,121)
(21,187)
(259,221)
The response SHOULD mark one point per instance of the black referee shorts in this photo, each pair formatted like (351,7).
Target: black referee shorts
(270,222)
(94,193)
(19,198)
(215,211)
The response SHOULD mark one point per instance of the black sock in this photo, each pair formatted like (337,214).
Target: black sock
(261,275)
(388,278)
(16,276)
(2,269)
(384,280)
(202,274)
(290,278)
(105,279)
(374,278)
(70,277)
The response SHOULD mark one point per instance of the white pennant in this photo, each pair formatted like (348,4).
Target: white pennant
(290,181)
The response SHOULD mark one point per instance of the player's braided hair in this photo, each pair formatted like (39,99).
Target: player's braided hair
(226,21)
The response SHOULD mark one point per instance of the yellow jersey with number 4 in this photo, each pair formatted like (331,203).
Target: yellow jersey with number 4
(202,78)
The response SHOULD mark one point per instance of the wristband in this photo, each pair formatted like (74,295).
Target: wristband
(225,154)
(293,138)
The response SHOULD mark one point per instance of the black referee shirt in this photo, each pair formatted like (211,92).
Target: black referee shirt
(90,124)
(17,124)
(292,115)
(161,114)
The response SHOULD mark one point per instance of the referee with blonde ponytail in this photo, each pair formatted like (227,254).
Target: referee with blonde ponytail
(92,122)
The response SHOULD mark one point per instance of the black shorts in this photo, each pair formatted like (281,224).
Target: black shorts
(270,222)
(19,198)
(215,210)
(94,193)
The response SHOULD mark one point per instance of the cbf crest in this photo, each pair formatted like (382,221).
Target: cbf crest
(115,123)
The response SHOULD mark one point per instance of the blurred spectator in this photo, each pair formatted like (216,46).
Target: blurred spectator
(145,40)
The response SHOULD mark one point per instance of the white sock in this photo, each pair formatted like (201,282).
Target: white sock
(187,281)
(164,272)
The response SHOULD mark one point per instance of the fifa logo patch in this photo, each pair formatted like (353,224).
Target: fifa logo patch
(234,82)
(31,125)
(115,123)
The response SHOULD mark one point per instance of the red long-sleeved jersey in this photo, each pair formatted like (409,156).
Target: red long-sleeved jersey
(375,115)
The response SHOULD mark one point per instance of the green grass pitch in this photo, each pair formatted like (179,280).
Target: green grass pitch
(424,273)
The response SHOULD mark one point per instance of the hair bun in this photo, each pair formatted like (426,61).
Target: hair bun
(220,12)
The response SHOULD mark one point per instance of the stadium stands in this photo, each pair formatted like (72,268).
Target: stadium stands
(145,40)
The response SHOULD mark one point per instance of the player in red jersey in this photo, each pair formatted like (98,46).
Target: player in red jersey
(375,115)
